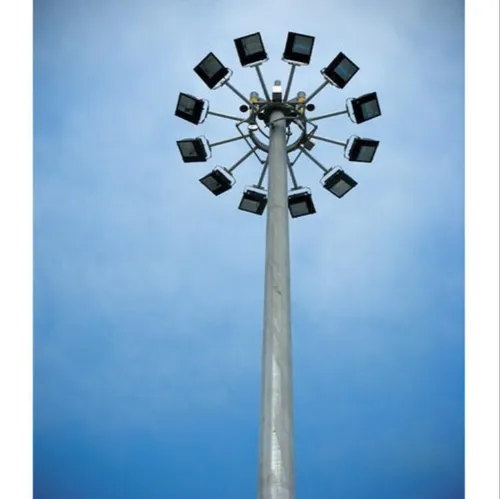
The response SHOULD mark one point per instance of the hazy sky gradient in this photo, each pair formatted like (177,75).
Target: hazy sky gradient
(149,290)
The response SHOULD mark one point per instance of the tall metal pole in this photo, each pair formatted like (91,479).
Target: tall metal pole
(276,474)
(276,457)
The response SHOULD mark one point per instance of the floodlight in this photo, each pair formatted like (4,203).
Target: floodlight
(310,107)
(338,183)
(218,181)
(211,70)
(189,108)
(298,48)
(243,108)
(340,70)
(192,150)
(250,49)
(300,204)
(253,201)
(366,107)
(363,150)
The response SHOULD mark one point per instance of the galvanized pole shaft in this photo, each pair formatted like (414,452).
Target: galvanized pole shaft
(276,474)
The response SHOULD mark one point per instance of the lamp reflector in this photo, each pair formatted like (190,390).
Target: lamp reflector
(298,48)
(340,70)
(366,107)
(253,201)
(218,181)
(338,183)
(301,204)
(363,150)
(250,49)
(189,108)
(211,70)
(192,150)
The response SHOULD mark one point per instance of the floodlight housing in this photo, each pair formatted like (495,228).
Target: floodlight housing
(218,181)
(338,183)
(308,144)
(211,70)
(340,70)
(189,108)
(298,48)
(250,49)
(192,150)
(366,107)
(300,204)
(254,200)
(363,150)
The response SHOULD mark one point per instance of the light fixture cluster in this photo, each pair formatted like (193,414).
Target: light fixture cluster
(252,53)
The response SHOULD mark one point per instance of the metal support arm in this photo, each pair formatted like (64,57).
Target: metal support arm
(331,141)
(238,93)
(292,175)
(316,92)
(243,158)
(330,115)
(227,141)
(296,157)
(289,82)
(314,160)
(249,144)
(227,116)
(261,79)
(262,175)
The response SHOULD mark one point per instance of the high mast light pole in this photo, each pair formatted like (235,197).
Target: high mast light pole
(278,114)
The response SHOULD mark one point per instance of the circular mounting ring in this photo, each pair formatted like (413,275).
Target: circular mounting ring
(291,114)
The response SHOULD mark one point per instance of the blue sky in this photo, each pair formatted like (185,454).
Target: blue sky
(148,291)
